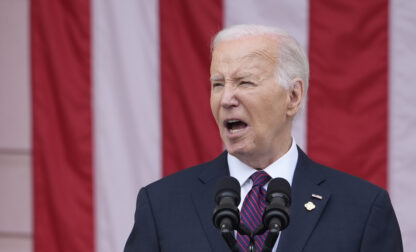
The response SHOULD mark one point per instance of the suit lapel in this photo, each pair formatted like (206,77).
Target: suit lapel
(204,200)
(303,221)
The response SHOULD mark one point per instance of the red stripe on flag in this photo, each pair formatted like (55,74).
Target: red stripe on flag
(347,106)
(190,135)
(62,139)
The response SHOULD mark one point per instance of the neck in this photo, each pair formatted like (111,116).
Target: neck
(260,161)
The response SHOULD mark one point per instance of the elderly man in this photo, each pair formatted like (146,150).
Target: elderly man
(259,77)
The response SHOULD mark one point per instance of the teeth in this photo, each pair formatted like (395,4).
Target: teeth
(232,131)
(233,121)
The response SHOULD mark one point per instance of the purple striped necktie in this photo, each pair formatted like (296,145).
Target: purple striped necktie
(253,208)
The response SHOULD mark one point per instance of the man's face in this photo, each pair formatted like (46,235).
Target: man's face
(248,104)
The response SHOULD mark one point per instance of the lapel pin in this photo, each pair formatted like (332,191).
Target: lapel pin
(310,206)
(316,196)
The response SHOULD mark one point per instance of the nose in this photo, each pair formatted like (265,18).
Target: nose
(229,99)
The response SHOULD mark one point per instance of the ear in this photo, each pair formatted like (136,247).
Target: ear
(295,95)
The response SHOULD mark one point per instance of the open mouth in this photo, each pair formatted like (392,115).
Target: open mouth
(235,125)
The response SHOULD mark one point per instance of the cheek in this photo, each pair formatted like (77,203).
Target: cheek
(277,102)
(214,107)
(269,113)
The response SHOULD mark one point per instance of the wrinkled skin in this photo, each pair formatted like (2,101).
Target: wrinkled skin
(244,89)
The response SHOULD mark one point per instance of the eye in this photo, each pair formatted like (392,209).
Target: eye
(246,83)
(217,84)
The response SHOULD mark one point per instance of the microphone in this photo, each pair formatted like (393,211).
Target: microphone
(278,198)
(276,215)
(227,197)
(226,215)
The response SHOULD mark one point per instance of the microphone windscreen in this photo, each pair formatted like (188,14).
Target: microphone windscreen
(229,184)
(279,185)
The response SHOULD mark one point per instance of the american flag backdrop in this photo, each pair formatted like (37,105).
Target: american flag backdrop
(120,98)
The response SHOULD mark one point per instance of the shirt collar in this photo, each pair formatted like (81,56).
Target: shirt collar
(284,167)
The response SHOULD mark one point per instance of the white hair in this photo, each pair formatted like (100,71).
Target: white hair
(292,61)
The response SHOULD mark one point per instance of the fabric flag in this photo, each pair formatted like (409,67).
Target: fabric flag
(121,98)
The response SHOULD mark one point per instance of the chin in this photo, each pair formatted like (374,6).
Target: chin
(237,151)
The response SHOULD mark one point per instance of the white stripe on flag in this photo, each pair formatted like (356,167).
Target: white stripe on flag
(289,15)
(402,137)
(126,113)
(126,104)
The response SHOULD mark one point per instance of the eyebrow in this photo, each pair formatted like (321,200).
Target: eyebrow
(216,78)
(237,77)
(243,75)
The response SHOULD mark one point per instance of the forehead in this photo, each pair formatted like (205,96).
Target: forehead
(246,52)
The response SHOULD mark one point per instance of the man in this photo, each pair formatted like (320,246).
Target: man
(259,77)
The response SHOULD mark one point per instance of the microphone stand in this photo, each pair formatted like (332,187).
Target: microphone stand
(227,233)
(244,230)
(274,230)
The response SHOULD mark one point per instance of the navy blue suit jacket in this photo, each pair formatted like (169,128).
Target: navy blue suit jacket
(175,213)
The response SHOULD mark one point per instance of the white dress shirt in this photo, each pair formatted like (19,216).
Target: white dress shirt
(284,167)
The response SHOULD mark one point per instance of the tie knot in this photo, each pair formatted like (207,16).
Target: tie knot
(260,178)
